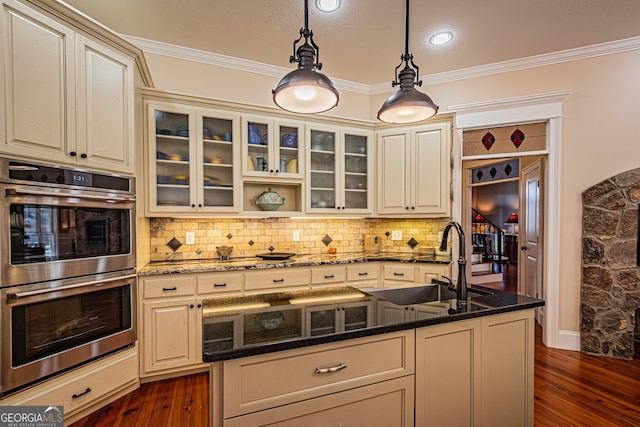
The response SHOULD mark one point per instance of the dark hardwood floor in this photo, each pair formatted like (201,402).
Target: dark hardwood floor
(571,389)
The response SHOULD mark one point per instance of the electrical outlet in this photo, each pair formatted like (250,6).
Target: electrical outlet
(396,234)
(296,235)
(191,238)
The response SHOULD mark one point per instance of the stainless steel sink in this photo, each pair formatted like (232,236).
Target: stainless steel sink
(419,294)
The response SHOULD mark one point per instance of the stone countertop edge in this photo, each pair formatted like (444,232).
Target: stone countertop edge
(239,264)
(503,302)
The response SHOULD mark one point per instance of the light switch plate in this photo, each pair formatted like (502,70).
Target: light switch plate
(191,238)
(396,234)
(296,235)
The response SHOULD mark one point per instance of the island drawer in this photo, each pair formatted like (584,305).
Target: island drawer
(174,285)
(219,283)
(260,382)
(276,278)
(328,275)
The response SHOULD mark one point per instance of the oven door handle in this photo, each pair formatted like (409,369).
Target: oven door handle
(26,294)
(30,192)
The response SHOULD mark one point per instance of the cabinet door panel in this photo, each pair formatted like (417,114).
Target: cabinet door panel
(169,334)
(431,191)
(39,83)
(507,369)
(105,107)
(447,364)
(393,173)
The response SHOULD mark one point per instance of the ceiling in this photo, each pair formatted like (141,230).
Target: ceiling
(363,40)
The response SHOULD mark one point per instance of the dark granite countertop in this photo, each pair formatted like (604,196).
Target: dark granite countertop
(244,326)
(254,263)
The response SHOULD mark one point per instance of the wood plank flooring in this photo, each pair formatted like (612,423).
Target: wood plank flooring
(571,389)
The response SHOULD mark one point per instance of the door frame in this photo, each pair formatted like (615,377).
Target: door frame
(546,107)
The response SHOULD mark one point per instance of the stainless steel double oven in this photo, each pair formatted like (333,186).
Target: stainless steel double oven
(67,269)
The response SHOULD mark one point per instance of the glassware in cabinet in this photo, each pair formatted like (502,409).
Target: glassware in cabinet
(272,147)
(172,144)
(218,162)
(322,169)
(356,172)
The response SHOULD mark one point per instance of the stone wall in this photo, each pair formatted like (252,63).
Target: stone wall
(610,289)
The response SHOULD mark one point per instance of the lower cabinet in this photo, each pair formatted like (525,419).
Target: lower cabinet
(86,389)
(385,404)
(357,379)
(476,372)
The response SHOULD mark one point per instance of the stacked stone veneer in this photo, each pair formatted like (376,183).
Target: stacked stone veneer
(610,289)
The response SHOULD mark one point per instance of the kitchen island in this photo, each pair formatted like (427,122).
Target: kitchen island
(370,356)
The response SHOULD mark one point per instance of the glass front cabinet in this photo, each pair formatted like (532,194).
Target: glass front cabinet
(192,156)
(271,147)
(340,170)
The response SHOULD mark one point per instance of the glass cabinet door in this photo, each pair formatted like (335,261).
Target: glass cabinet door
(217,162)
(321,321)
(173,149)
(256,140)
(356,172)
(322,169)
(290,137)
(272,147)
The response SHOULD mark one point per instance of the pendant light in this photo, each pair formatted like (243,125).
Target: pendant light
(408,105)
(305,90)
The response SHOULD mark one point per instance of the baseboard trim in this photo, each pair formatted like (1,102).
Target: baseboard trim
(568,340)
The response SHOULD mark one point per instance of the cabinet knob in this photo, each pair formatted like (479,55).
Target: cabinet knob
(407,207)
(199,205)
(199,305)
(412,207)
(193,205)
(191,305)
(343,207)
(271,170)
(277,171)
(83,155)
(73,154)
(524,248)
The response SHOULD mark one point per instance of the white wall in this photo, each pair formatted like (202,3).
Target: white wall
(598,134)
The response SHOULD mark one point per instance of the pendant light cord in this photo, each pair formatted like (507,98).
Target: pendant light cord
(406,31)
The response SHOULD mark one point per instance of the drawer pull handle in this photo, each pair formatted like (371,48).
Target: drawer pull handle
(170,289)
(363,274)
(278,280)
(398,274)
(340,367)
(219,285)
(77,396)
(329,276)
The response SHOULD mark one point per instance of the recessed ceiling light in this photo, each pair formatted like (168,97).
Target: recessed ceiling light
(441,38)
(328,5)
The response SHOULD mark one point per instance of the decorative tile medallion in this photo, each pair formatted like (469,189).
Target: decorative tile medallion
(174,244)
(412,243)
(517,138)
(327,240)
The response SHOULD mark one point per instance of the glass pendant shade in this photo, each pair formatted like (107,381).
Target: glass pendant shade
(305,91)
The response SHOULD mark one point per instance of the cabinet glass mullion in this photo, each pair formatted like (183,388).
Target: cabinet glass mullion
(323,169)
(355,174)
(217,162)
(172,158)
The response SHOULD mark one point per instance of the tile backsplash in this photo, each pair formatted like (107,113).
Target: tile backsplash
(249,237)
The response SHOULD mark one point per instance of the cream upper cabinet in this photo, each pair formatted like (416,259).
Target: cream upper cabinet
(414,171)
(192,160)
(272,147)
(66,97)
(340,170)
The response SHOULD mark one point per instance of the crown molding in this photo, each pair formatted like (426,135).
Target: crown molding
(225,61)
(602,49)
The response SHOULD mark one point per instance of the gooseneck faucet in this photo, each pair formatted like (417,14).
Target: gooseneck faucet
(461,287)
